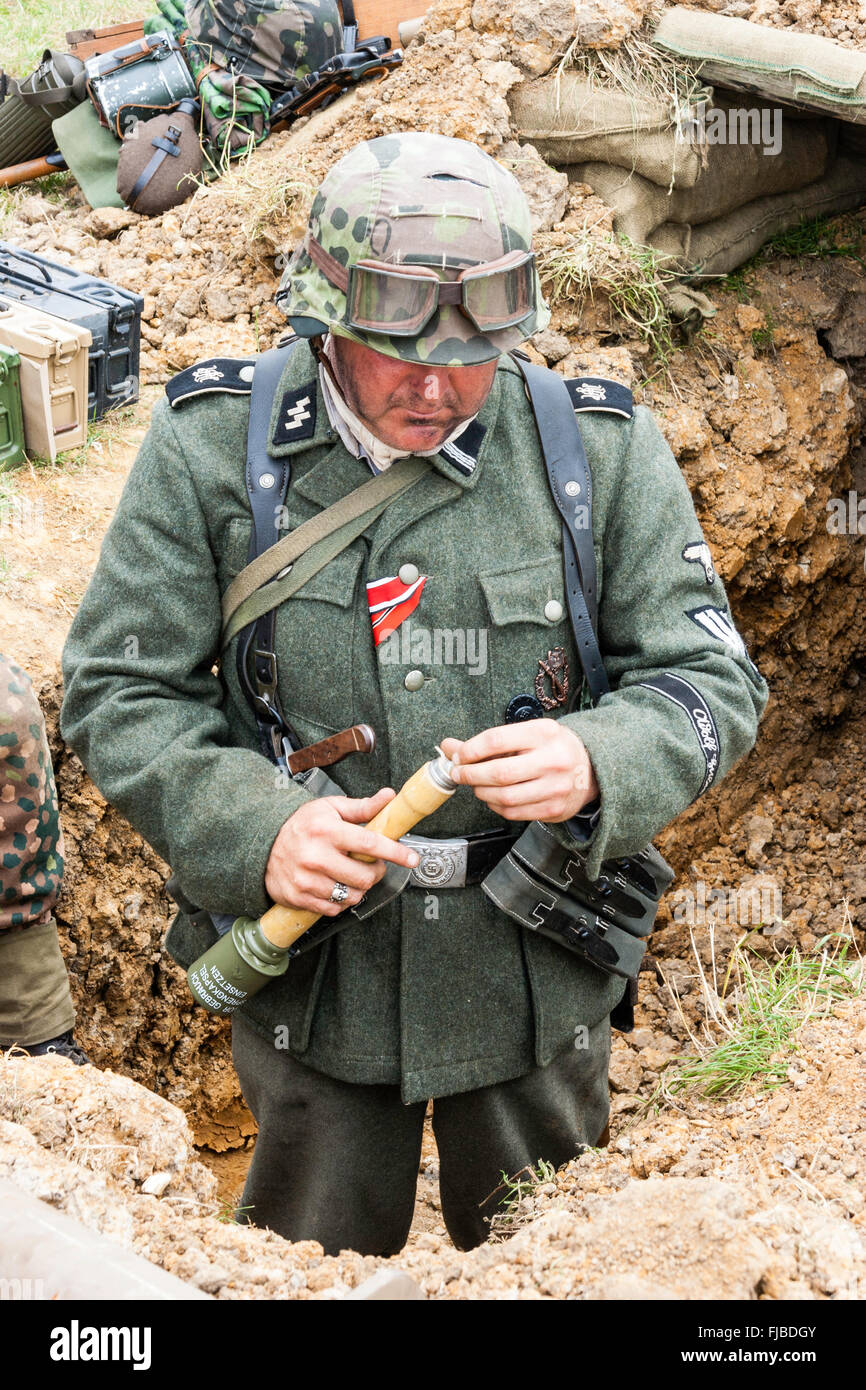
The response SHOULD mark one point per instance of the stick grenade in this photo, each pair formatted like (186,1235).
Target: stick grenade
(255,951)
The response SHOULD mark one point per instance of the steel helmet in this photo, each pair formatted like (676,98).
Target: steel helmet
(419,246)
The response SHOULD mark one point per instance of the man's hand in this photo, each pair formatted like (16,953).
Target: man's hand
(536,769)
(311,852)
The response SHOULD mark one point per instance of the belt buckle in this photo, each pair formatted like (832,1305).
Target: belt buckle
(442,863)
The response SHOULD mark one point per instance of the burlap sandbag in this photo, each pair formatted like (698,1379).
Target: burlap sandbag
(577,122)
(800,68)
(852,139)
(735,175)
(717,248)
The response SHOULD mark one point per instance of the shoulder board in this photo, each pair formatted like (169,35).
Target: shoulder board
(598,393)
(230,374)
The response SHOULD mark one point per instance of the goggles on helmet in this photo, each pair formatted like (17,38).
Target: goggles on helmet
(400,300)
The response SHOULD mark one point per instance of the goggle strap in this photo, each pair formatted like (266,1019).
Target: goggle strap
(335,273)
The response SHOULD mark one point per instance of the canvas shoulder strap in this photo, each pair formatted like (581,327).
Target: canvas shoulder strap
(312,545)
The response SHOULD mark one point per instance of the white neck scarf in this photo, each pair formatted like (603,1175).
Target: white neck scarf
(354,433)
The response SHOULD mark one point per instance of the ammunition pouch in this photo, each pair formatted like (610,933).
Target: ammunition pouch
(543,885)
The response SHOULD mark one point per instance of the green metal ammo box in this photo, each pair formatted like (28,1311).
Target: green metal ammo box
(11,419)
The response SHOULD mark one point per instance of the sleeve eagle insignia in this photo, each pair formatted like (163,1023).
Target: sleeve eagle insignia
(698,553)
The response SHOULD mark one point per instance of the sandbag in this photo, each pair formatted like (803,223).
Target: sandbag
(735,175)
(804,69)
(574,121)
(852,139)
(717,248)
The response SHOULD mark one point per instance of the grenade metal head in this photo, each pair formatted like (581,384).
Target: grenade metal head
(235,968)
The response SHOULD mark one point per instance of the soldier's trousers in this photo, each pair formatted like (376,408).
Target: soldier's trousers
(338,1162)
(35,1004)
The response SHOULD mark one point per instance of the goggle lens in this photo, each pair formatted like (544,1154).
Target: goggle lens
(387,302)
(501,299)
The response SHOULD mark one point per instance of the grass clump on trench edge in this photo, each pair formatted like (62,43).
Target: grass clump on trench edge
(517,1191)
(816,238)
(750,1034)
(639,70)
(632,276)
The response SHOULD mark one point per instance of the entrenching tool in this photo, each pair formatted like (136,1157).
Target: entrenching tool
(254,952)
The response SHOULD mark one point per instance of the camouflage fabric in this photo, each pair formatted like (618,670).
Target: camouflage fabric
(31,840)
(235,108)
(276,41)
(420,199)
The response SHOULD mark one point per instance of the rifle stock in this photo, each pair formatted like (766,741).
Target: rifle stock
(31,169)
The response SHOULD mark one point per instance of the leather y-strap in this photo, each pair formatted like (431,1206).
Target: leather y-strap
(571,486)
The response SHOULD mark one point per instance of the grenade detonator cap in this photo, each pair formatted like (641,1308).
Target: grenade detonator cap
(418,246)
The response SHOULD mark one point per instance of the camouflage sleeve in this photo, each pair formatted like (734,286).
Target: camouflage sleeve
(31,841)
(685,697)
(143,706)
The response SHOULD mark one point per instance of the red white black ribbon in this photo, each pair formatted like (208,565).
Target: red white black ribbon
(391,601)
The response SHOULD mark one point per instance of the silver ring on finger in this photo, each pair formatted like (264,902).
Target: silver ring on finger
(339,893)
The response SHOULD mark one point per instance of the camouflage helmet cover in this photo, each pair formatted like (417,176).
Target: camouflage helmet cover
(414,198)
(274,41)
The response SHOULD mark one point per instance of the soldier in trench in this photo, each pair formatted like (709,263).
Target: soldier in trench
(36,1011)
(465,1006)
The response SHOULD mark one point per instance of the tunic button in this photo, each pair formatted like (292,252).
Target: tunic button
(408,574)
(553,611)
(413,680)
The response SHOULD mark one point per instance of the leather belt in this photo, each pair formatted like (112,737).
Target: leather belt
(460,861)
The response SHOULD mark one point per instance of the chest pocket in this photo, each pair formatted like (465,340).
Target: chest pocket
(521,634)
